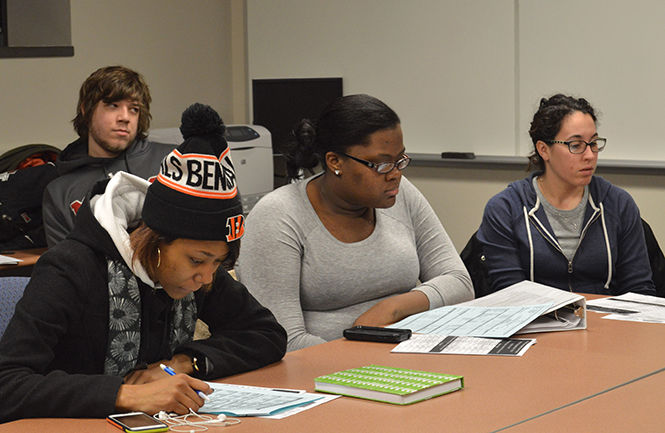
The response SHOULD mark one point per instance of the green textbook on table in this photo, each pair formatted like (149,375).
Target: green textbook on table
(388,384)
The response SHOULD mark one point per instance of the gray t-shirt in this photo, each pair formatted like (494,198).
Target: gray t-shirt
(567,224)
(317,285)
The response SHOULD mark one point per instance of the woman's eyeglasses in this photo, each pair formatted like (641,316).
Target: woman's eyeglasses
(579,146)
(383,167)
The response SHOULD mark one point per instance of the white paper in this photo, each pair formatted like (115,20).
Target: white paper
(504,313)
(244,400)
(527,293)
(7,260)
(464,320)
(634,318)
(631,307)
(570,307)
(564,319)
(441,344)
(294,410)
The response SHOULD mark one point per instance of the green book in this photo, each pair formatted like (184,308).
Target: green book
(388,384)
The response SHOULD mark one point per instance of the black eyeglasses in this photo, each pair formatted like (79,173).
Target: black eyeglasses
(383,167)
(579,146)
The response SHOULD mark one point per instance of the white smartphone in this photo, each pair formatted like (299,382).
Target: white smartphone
(137,422)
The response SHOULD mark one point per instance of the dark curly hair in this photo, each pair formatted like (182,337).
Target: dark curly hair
(347,121)
(547,121)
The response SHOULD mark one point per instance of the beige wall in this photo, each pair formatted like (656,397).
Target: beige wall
(468,75)
(196,51)
(182,48)
(440,64)
(458,195)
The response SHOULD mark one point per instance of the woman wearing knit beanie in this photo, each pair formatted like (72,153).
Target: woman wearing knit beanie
(121,295)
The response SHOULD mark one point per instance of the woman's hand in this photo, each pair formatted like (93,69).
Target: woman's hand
(393,309)
(180,363)
(170,393)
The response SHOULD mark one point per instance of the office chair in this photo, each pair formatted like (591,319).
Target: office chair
(474,259)
(656,259)
(11,290)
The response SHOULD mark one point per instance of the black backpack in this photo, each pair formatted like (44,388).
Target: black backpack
(21,191)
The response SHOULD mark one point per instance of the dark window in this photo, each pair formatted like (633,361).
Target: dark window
(35,28)
(278,104)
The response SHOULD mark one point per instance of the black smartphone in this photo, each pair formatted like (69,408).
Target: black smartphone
(374,333)
(137,422)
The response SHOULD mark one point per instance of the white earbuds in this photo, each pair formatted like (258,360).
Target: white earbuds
(221,418)
(192,419)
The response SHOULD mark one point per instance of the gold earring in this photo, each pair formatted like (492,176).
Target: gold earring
(159,257)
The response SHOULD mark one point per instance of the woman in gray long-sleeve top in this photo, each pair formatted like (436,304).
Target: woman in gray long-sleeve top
(357,244)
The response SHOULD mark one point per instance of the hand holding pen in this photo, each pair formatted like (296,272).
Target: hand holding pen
(178,393)
(170,372)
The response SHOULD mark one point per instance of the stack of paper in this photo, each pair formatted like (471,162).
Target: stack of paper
(632,307)
(449,345)
(521,308)
(567,310)
(245,400)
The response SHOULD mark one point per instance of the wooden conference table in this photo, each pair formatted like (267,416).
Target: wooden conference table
(636,407)
(23,268)
(555,381)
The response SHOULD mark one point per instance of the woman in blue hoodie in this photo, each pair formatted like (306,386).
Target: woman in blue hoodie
(562,226)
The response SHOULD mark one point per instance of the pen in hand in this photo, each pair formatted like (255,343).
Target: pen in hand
(170,372)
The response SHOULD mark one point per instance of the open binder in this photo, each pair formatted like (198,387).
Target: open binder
(568,310)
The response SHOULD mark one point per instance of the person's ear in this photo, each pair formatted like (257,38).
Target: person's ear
(333,162)
(543,150)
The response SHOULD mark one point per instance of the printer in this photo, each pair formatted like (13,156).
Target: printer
(251,151)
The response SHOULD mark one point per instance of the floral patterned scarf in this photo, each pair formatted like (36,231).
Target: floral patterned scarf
(124,341)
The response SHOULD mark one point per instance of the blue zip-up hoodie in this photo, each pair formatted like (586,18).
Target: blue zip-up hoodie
(519,243)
